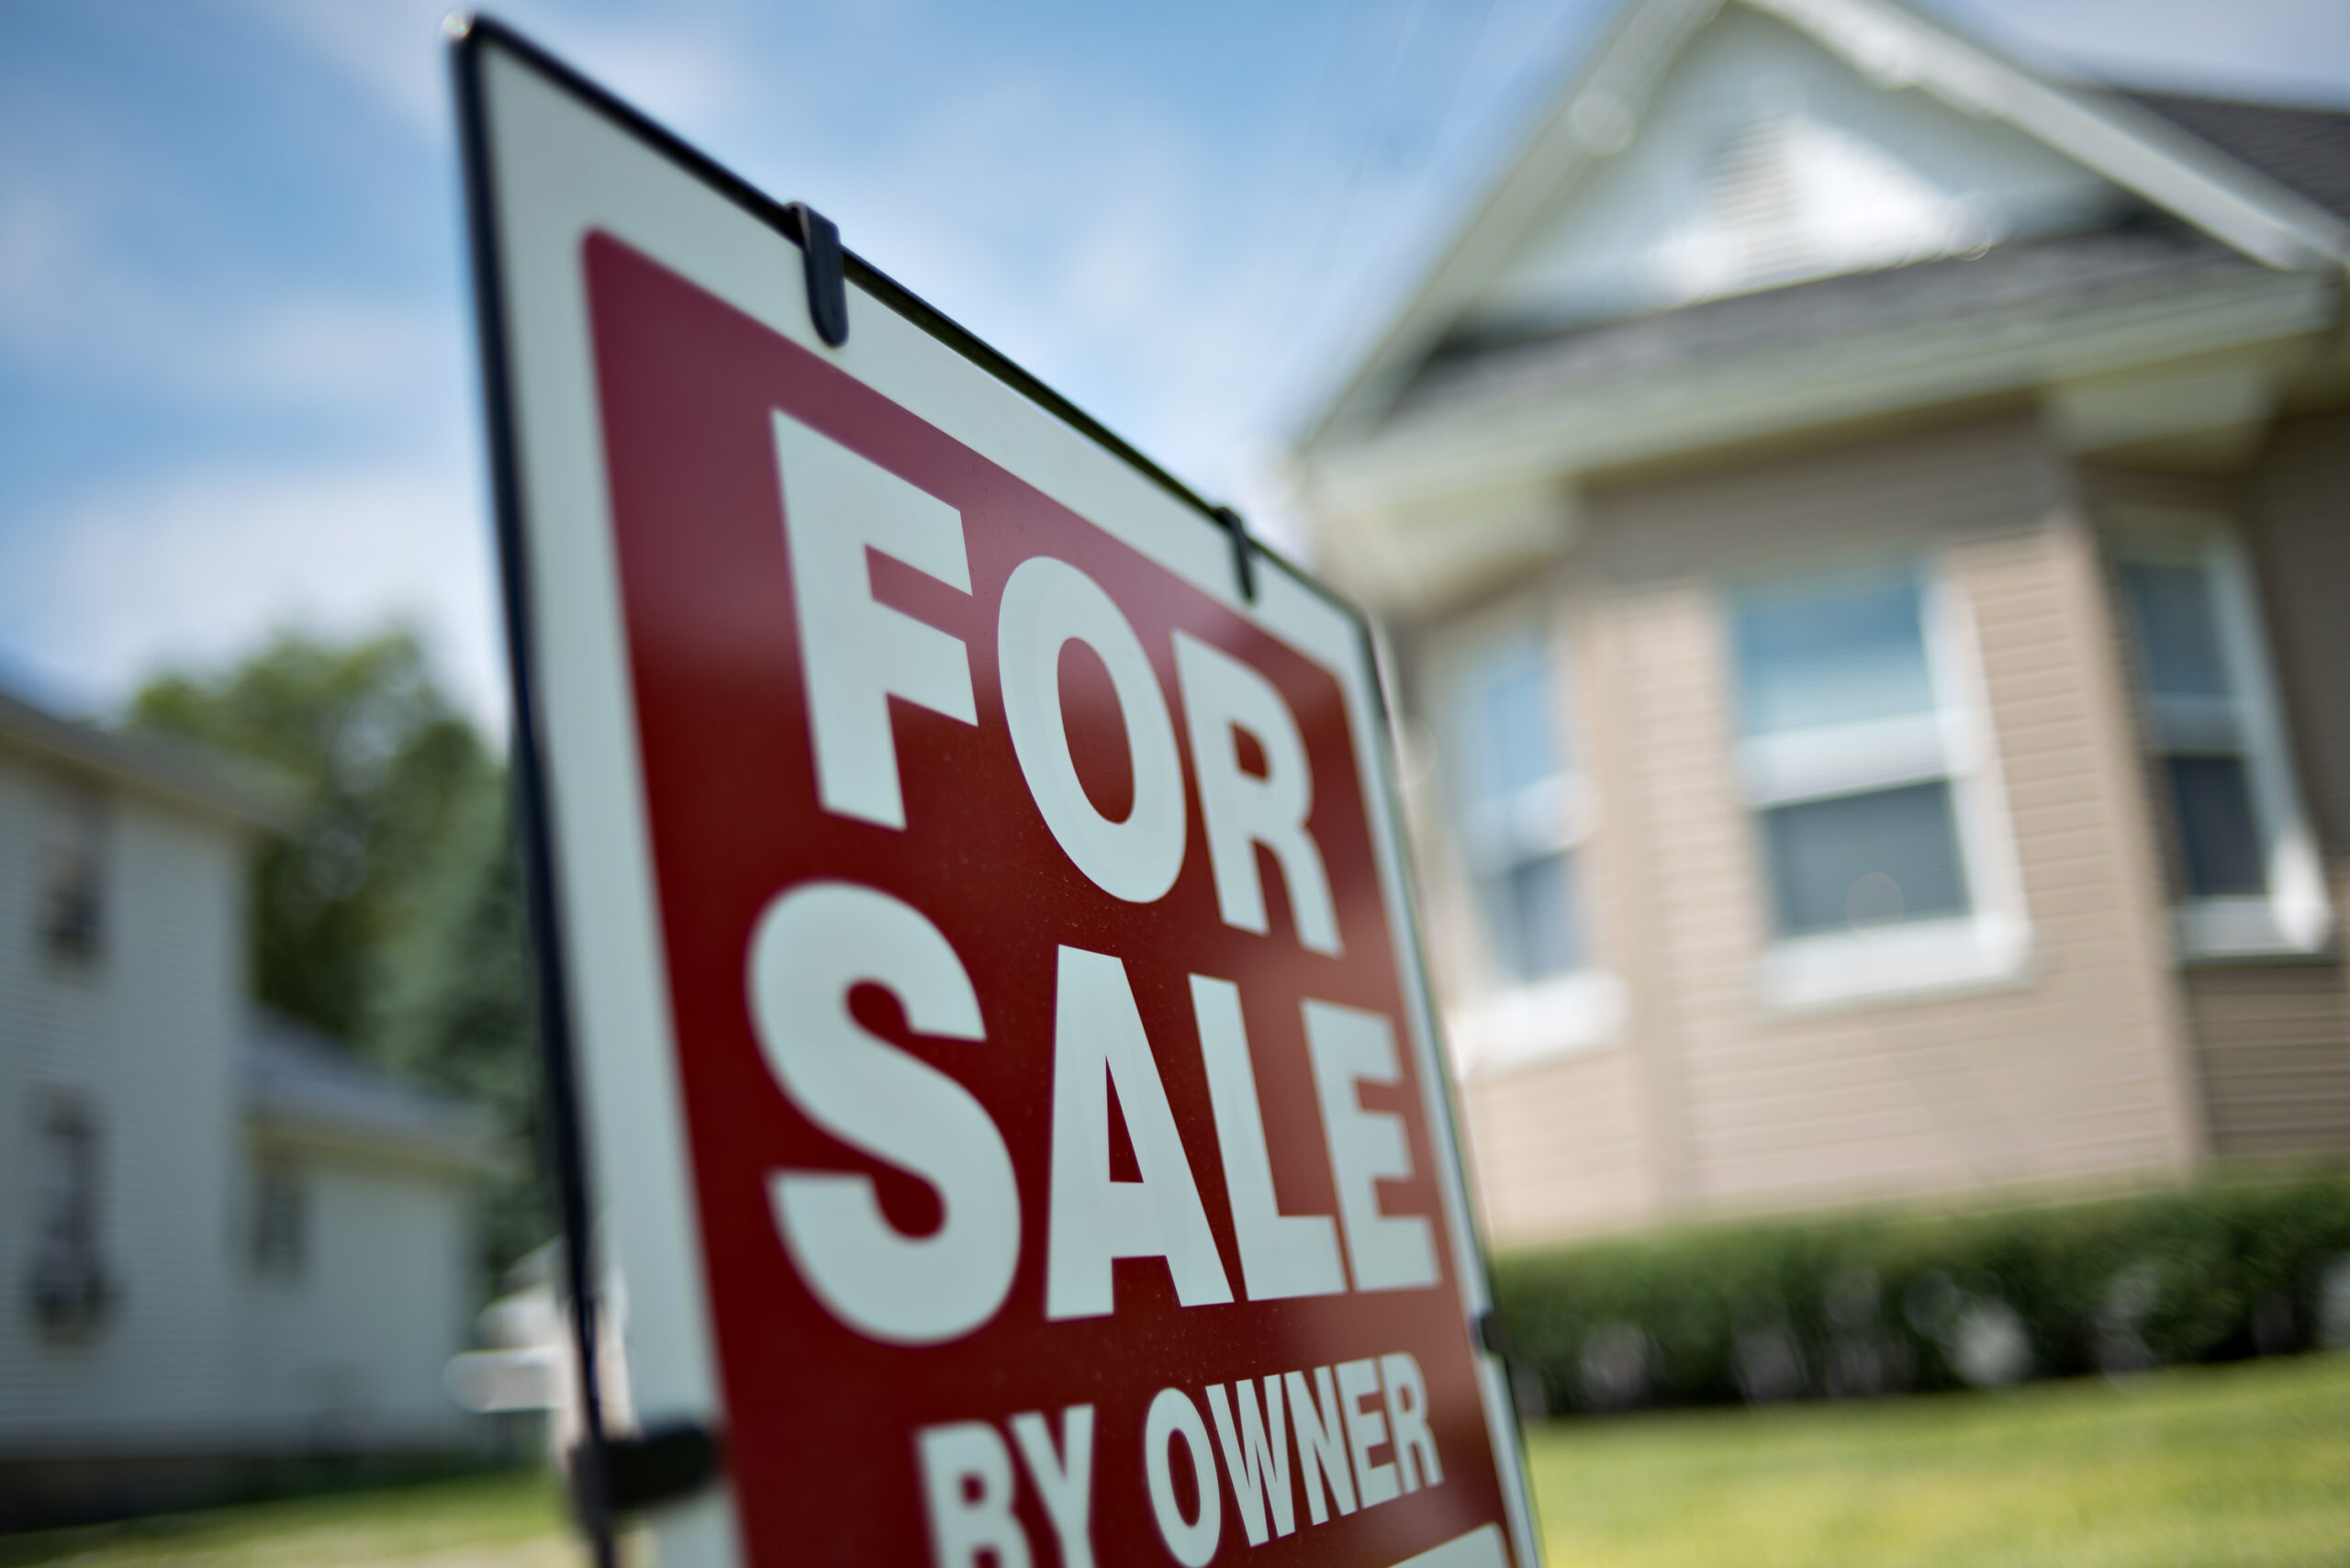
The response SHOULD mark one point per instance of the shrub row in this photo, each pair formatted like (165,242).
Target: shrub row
(1859,1305)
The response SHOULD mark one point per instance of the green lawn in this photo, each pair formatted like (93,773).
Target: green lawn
(2245,1466)
(509,1520)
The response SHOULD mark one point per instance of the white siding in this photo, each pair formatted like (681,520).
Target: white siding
(148,1039)
(350,1346)
(197,1353)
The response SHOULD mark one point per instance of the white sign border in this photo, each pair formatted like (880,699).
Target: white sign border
(558,159)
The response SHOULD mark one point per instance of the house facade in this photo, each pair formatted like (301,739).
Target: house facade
(224,1242)
(1859,530)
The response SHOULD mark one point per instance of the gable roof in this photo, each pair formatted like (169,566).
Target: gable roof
(302,1083)
(2202,166)
(2023,281)
(2306,151)
(245,792)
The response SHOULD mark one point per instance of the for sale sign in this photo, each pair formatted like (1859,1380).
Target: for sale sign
(1005,1062)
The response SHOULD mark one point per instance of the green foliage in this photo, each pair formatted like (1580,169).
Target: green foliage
(1865,1303)
(456,1014)
(391,917)
(387,764)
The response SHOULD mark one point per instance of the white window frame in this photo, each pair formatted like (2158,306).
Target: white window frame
(1988,945)
(1505,1022)
(2294,917)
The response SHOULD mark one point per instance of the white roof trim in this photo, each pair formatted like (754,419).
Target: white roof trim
(1888,43)
(1620,78)
(246,793)
(1507,439)
(2134,148)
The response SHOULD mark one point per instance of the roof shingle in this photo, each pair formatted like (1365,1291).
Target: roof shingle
(2306,151)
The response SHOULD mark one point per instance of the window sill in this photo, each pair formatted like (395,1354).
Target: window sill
(2218,929)
(1894,962)
(1543,1022)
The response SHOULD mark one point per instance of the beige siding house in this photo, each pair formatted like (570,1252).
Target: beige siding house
(1859,528)
(225,1243)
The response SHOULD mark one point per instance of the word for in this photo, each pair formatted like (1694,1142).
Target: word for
(1334,1423)
(857,655)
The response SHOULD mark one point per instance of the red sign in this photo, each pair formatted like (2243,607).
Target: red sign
(1067,1183)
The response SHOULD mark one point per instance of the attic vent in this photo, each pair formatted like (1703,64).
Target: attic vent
(1789,197)
(1754,197)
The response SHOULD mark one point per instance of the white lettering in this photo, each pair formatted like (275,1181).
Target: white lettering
(1408,1416)
(1065,1480)
(1315,1416)
(1221,695)
(966,1489)
(1366,1429)
(1256,1464)
(1172,1415)
(1281,1255)
(1047,604)
(1350,1046)
(1098,1042)
(855,654)
(811,945)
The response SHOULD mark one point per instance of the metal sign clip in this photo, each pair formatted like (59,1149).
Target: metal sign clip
(1244,551)
(819,246)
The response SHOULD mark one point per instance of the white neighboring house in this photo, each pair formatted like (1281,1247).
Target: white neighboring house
(225,1243)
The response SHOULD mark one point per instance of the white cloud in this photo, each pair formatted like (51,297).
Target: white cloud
(197,569)
(678,70)
(386,47)
(82,308)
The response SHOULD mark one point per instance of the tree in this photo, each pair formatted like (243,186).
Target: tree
(386,762)
(455,1012)
(392,916)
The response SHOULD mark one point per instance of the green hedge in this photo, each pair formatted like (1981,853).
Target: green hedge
(1869,1304)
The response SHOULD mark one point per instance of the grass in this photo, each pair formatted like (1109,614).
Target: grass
(512,1519)
(2247,1466)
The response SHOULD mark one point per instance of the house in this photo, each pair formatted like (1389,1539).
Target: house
(225,1244)
(1859,526)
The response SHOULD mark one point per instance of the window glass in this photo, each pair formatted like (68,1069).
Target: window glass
(69,1183)
(1816,656)
(1861,860)
(70,1287)
(1512,747)
(2172,611)
(280,1229)
(1838,649)
(2198,719)
(1537,926)
(1517,827)
(72,873)
(2218,838)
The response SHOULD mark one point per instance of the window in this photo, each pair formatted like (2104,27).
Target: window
(2243,871)
(1875,819)
(69,1288)
(72,873)
(281,1228)
(1515,812)
(1521,817)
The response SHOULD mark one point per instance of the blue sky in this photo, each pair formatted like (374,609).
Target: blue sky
(235,378)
